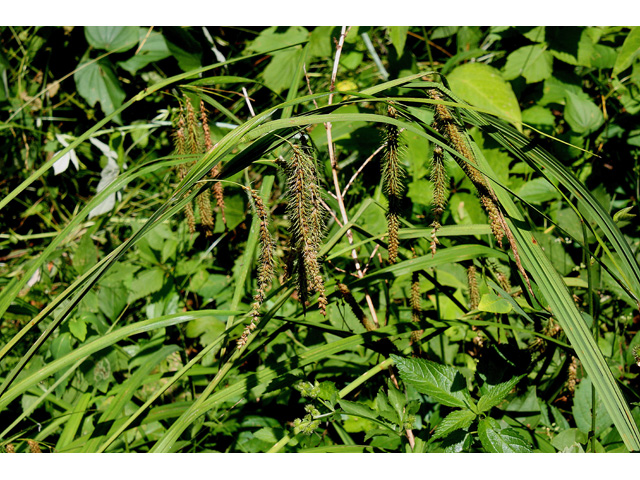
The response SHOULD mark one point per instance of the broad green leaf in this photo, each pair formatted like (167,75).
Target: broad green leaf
(154,49)
(281,69)
(497,394)
(358,409)
(568,440)
(496,439)
(538,116)
(78,328)
(582,115)
(490,302)
(537,191)
(277,37)
(398,37)
(628,52)
(97,82)
(441,382)
(603,56)
(111,38)
(146,283)
(86,254)
(482,86)
(572,45)
(582,407)
(533,62)
(454,421)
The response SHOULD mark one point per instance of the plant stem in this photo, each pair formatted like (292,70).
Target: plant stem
(334,173)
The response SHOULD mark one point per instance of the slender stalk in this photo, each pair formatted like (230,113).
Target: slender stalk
(334,173)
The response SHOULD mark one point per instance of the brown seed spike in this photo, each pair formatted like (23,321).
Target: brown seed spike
(393,175)
(474,294)
(307,223)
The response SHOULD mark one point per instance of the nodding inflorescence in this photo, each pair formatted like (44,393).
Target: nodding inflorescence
(440,181)
(474,293)
(446,125)
(191,139)
(393,175)
(266,264)
(307,224)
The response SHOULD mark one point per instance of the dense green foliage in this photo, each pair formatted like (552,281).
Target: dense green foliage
(208,243)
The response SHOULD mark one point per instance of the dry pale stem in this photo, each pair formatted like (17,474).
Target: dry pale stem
(334,172)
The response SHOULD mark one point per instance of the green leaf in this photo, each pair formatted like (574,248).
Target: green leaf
(154,49)
(86,254)
(281,69)
(358,409)
(454,421)
(533,62)
(582,115)
(538,116)
(497,394)
(441,382)
(78,328)
(146,283)
(623,214)
(111,38)
(483,87)
(572,45)
(537,191)
(628,52)
(495,439)
(570,440)
(582,407)
(490,302)
(277,37)
(96,82)
(398,36)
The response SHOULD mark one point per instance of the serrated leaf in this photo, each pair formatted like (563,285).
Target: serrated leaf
(497,394)
(582,115)
(454,421)
(628,52)
(496,439)
(490,302)
(441,382)
(96,82)
(111,38)
(533,62)
(483,86)
(148,282)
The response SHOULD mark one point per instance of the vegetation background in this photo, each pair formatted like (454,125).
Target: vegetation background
(129,275)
